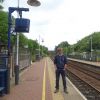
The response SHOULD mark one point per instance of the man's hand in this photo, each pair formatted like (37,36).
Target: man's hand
(65,67)
(55,66)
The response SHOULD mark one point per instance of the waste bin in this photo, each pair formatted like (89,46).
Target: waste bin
(3,72)
(3,79)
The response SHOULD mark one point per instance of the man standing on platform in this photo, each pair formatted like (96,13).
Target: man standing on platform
(60,62)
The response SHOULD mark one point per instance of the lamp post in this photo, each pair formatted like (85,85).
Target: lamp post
(31,3)
(17,55)
(35,3)
(42,47)
(39,46)
(11,10)
(91,48)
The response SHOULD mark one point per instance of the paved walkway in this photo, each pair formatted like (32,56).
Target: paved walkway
(30,86)
(38,83)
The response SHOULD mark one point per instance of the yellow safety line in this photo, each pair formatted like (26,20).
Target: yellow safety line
(44,83)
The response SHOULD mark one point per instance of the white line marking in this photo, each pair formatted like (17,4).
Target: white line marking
(77,89)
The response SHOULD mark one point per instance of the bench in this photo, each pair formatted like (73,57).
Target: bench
(1,91)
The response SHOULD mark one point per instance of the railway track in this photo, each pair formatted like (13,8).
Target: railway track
(86,78)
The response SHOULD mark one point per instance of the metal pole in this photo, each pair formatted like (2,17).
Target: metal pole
(42,50)
(91,47)
(42,47)
(17,56)
(8,67)
(17,62)
(39,46)
(18,3)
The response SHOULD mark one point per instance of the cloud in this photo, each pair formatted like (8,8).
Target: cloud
(61,20)
(50,4)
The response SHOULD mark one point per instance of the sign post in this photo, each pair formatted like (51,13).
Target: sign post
(11,10)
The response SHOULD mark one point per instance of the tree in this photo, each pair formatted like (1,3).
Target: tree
(85,44)
(63,45)
(2,1)
(3,26)
(22,40)
(45,50)
(1,7)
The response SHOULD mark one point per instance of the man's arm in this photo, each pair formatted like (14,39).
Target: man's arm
(65,61)
(55,61)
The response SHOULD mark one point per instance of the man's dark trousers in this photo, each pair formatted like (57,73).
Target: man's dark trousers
(62,72)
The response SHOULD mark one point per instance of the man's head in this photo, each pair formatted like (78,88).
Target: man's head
(59,50)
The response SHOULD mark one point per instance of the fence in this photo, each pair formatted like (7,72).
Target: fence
(24,60)
(85,56)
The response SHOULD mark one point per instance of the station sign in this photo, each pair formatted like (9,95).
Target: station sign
(22,25)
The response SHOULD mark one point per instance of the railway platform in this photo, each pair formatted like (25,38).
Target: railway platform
(37,82)
(87,62)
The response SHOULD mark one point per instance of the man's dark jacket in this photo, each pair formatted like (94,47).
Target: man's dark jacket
(60,61)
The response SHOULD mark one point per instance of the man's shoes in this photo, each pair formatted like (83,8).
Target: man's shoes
(65,90)
(56,91)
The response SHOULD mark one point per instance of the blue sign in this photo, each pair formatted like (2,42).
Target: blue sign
(22,25)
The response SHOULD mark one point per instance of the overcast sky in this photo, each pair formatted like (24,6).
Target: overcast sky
(61,20)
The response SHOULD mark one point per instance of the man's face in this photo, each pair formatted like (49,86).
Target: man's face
(60,51)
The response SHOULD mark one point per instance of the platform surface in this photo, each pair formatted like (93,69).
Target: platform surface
(38,83)
(87,62)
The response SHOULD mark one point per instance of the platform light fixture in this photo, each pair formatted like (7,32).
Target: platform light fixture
(33,3)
